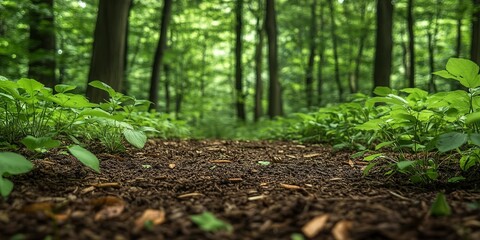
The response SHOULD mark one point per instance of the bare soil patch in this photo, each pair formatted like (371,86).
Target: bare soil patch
(62,199)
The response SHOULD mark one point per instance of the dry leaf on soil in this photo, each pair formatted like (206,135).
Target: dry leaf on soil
(289,186)
(156,217)
(341,229)
(110,207)
(171,165)
(187,195)
(315,226)
(311,155)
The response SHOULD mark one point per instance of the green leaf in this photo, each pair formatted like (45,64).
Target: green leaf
(382,91)
(440,206)
(472,118)
(296,236)
(402,165)
(95,112)
(63,88)
(468,161)
(40,144)
(85,157)
(208,222)
(368,167)
(456,179)
(383,144)
(464,71)
(450,141)
(11,164)
(444,74)
(30,86)
(372,157)
(103,86)
(264,163)
(136,138)
(475,138)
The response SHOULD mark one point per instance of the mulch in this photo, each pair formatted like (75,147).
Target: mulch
(264,190)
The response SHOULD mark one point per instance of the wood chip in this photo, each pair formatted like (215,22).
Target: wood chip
(341,229)
(105,185)
(111,207)
(254,198)
(235,179)
(290,156)
(189,195)
(335,179)
(220,161)
(87,190)
(311,155)
(156,217)
(350,162)
(171,165)
(289,186)
(315,226)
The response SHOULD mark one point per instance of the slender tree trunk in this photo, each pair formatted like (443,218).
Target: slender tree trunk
(202,77)
(361,46)
(321,54)
(311,58)
(475,46)
(335,51)
(126,84)
(159,53)
(260,27)
(239,95)
(405,65)
(274,97)
(411,44)
(42,51)
(384,44)
(166,68)
(108,46)
(432,42)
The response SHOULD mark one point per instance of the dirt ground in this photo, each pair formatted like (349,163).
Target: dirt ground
(152,193)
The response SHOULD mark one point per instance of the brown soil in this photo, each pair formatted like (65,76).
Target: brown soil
(61,199)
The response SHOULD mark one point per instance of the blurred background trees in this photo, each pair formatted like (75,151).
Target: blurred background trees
(205,61)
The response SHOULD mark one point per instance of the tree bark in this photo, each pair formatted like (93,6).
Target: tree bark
(159,53)
(335,51)
(260,27)
(384,44)
(274,97)
(42,49)
(411,44)
(239,95)
(108,47)
(475,46)
(311,58)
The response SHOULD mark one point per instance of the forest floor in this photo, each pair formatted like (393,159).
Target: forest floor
(307,189)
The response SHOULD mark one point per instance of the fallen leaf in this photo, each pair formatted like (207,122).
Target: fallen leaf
(188,195)
(315,226)
(288,186)
(340,230)
(110,207)
(220,161)
(235,179)
(256,197)
(87,190)
(335,179)
(156,217)
(311,155)
(43,207)
(350,162)
(171,165)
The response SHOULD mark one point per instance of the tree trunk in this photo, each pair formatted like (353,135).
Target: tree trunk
(335,51)
(41,65)
(311,57)
(361,46)
(475,46)
(432,42)
(384,44)
(258,109)
(411,44)
(108,46)
(166,68)
(274,97)
(126,84)
(159,53)
(321,55)
(239,95)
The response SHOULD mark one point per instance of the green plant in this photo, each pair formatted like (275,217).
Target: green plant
(11,164)
(208,222)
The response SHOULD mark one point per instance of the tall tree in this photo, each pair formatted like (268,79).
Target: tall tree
(159,53)
(108,47)
(383,43)
(274,91)
(41,65)
(125,84)
(335,50)
(475,46)
(311,57)
(259,28)
(239,95)
(411,44)
(321,54)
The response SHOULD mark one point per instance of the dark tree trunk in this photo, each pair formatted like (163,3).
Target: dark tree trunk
(321,55)
(475,46)
(41,65)
(239,95)
(159,53)
(311,58)
(258,110)
(384,44)
(126,84)
(274,91)
(166,68)
(108,46)
(411,44)
(335,51)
